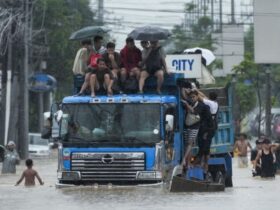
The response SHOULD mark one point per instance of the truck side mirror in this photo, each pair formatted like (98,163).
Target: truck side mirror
(169,122)
(54,118)
(47,129)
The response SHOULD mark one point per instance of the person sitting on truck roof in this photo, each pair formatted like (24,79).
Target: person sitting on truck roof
(153,64)
(97,47)
(80,65)
(112,59)
(130,58)
(101,77)
(96,52)
(81,59)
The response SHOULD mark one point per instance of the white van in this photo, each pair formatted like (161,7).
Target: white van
(38,146)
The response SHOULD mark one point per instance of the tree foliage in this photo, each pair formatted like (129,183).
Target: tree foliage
(200,35)
(57,20)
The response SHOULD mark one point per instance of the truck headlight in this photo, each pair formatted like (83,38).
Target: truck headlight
(149,175)
(69,175)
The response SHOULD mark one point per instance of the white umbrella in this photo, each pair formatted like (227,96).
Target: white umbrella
(206,54)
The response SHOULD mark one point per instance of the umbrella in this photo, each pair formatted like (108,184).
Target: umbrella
(88,32)
(206,54)
(149,33)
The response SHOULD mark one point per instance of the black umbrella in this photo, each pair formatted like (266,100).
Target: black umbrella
(88,32)
(149,33)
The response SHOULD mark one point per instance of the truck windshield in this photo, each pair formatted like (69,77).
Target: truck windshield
(113,123)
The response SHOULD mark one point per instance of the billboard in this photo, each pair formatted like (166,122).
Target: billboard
(266,31)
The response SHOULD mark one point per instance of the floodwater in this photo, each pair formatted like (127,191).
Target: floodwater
(247,193)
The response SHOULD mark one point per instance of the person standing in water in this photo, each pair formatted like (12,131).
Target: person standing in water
(29,175)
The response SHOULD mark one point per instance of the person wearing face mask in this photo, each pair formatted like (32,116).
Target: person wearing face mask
(11,158)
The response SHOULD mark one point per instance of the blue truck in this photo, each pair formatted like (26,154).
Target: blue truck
(135,138)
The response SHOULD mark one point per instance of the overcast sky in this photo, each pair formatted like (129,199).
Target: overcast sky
(122,16)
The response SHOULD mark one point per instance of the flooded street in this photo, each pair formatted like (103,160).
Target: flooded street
(247,193)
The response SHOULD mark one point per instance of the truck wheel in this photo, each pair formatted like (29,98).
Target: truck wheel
(219,178)
(228,182)
(209,177)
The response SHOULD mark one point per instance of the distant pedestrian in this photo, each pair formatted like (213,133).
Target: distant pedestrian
(29,175)
(267,159)
(11,158)
(254,153)
(242,145)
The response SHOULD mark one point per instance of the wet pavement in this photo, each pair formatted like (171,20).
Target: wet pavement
(247,193)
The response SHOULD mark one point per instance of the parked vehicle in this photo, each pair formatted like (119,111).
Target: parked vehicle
(275,123)
(37,146)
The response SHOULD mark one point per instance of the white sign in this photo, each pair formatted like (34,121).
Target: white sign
(187,64)
(266,31)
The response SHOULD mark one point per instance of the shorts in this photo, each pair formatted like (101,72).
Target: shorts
(153,70)
(190,136)
(242,161)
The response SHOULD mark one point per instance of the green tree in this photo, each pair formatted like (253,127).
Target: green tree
(57,20)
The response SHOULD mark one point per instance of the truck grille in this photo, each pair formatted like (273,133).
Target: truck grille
(108,166)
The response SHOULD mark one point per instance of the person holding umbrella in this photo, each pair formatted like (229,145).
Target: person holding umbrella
(80,65)
(153,64)
(11,158)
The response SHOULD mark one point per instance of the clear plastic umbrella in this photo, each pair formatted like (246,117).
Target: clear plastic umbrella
(208,55)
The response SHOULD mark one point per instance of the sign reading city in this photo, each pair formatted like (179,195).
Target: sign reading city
(187,64)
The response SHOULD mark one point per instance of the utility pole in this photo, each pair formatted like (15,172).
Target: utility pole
(24,114)
(232,12)
(43,67)
(221,16)
(8,87)
(100,12)
(212,14)
(268,102)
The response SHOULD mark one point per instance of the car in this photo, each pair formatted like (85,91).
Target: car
(37,146)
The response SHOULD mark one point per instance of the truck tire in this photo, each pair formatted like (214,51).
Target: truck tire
(228,182)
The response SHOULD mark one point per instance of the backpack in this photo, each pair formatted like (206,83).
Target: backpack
(93,59)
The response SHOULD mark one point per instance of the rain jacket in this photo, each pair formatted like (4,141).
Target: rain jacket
(11,158)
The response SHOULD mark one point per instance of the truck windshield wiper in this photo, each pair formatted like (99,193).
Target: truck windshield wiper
(80,139)
(135,139)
